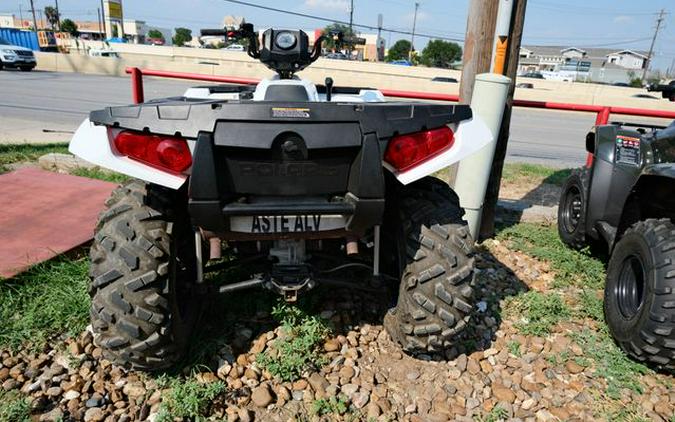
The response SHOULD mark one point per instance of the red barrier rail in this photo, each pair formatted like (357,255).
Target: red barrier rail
(603,112)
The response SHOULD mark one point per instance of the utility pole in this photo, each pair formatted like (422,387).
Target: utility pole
(32,9)
(379,33)
(100,27)
(105,30)
(478,43)
(21,15)
(58,16)
(412,38)
(511,69)
(350,38)
(659,21)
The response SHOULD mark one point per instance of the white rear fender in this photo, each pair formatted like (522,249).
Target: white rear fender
(92,143)
(470,136)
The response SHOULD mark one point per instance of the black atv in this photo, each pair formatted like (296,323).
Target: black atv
(301,184)
(626,201)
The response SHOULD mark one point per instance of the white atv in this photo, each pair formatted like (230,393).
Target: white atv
(304,184)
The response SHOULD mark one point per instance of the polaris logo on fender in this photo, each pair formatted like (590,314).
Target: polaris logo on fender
(287,169)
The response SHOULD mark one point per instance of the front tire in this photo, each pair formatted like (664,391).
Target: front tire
(435,253)
(572,209)
(144,301)
(26,68)
(640,292)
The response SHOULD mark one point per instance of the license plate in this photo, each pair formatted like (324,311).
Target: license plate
(287,223)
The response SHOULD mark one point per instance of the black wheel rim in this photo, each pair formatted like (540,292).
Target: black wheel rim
(571,213)
(629,290)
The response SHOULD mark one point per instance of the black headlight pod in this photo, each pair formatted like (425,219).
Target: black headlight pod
(285,40)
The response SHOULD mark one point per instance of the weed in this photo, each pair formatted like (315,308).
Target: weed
(535,172)
(543,243)
(514,348)
(538,312)
(49,299)
(611,363)
(97,173)
(14,407)
(330,406)
(187,399)
(497,413)
(298,348)
(16,153)
(591,307)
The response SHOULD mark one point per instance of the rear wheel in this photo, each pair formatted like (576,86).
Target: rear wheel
(437,268)
(144,301)
(640,292)
(572,209)
(26,68)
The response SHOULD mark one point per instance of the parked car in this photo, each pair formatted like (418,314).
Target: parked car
(17,57)
(97,52)
(337,56)
(235,47)
(401,62)
(621,84)
(625,200)
(533,75)
(525,85)
(444,79)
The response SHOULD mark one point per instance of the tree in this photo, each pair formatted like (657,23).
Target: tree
(70,27)
(183,35)
(334,28)
(439,53)
(157,34)
(52,16)
(399,51)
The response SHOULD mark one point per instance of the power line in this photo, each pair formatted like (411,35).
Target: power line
(325,19)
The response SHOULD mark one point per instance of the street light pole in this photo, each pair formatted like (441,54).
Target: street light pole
(32,9)
(412,38)
(58,17)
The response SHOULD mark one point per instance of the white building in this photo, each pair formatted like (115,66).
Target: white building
(628,59)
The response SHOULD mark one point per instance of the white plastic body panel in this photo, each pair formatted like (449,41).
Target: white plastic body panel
(91,143)
(261,89)
(470,136)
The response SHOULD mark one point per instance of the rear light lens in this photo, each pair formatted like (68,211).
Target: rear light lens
(164,152)
(407,151)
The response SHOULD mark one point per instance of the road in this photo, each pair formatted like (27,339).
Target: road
(48,106)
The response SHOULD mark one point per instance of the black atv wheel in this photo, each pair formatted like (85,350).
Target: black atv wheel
(144,302)
(437,268)
(572,209)
(640,292)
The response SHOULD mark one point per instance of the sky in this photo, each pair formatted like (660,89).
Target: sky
(582,23)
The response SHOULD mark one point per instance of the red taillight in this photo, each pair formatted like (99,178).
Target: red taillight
(164,152)
(407,151)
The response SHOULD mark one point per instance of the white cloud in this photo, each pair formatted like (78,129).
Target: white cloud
(623,19)
(330,5)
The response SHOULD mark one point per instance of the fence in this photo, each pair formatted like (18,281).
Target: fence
(603,113)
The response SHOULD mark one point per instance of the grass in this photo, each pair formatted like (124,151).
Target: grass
(514,172)
(187,399)
(538,312)
(330,406)
(514,348)
(14,407)
(497,413)
(298,349)
(610,362)
(26,152)
(49,299)
(96,173)
(542,242)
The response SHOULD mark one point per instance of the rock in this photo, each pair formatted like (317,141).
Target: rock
(461,362)
(4,374)
(95,401)
(373,411)
(70,395)
(261,396)
(282,393)
(298,395)
(412,375)
(55,415)
(331,345)
(502,393)
(95,414)
(206,377)
(63,163)
(245,415)
(318,382)
(528,404)
(134,389)
(411,408)
(573,367)
(54,391)
(360,399)
(300,385)
(346,374)
(544,416)
(75,349)
(349,389)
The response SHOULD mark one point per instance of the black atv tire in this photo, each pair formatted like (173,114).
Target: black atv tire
(436,261)
(144,302)
(572,209)
(640,292)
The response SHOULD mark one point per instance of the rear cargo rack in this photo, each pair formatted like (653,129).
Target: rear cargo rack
(237,209)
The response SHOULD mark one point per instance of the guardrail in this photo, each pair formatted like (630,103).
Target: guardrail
(603,112)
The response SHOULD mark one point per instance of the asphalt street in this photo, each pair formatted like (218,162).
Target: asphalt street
(48,106)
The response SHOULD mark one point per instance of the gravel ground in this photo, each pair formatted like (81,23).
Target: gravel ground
(494,372)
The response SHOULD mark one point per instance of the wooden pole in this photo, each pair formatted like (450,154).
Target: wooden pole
(480,35)
(491,196)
